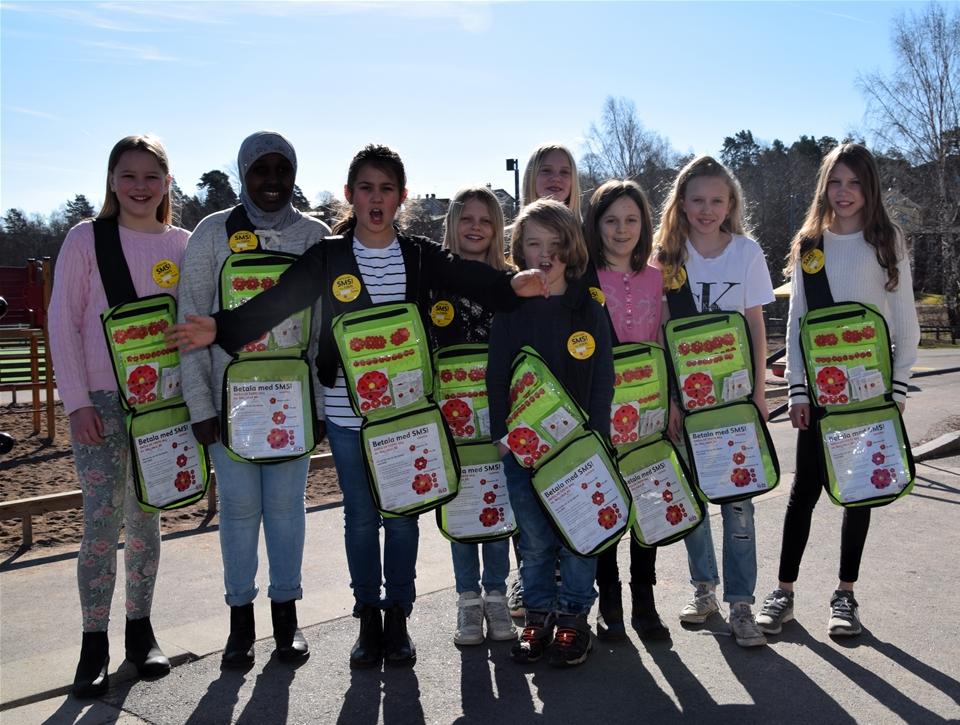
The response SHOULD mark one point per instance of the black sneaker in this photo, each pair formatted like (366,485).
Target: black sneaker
(610,625)
(844,615)
(534,638)
(571,644)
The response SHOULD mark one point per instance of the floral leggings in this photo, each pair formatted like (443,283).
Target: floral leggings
(109,501)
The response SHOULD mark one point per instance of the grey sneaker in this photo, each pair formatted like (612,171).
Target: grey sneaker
(499,624)
(776,610)
(469,619)
(844,615)
(515,598)
(743,627)
(701,605)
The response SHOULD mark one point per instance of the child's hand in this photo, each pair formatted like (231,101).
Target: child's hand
(86,427)
(674,422)
(902,406)
(760,400)
(198,331)
(800,415)
(530,283)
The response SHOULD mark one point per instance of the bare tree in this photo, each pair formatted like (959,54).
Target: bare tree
(916,110)
(621,147)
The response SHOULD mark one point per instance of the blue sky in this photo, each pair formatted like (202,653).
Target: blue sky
(455,87)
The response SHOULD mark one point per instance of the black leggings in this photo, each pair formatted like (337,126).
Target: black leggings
(807,485)
(643,566)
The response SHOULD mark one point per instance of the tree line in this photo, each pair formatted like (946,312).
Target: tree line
(913,116)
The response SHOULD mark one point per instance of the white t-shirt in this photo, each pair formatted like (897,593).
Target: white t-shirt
(736,279)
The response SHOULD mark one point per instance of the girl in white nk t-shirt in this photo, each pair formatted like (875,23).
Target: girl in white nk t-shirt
(701,230)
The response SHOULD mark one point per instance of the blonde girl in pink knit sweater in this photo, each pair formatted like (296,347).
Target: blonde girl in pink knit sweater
(137,196)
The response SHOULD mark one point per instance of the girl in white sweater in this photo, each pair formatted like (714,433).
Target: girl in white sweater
(866,261)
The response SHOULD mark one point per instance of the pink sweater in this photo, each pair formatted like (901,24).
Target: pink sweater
(77,343)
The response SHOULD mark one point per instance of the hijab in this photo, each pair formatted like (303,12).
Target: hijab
(253,147)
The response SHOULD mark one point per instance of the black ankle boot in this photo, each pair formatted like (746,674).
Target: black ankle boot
(143,652)
(399,649)
(291,644)
(243,635)
(610,616)
(368,649)
(645,618)
(92,678)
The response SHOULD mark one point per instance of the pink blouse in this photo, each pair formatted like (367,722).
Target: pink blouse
(634,302)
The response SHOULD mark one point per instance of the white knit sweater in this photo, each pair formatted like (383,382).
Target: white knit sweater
(855,276)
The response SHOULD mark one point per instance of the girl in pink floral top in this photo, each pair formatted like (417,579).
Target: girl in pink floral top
(619,234)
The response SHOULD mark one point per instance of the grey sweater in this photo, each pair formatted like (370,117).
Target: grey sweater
(202,370)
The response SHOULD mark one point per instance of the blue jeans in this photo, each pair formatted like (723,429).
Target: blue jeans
(739,553)
(466,566)
(250,493)
(362,522)
(540,548)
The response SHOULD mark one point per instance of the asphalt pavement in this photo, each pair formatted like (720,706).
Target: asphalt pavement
(903,668)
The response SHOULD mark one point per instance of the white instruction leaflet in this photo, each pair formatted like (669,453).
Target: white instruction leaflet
(408,467)
(867,462)
(482,505)
(587,504)
(266,418)
(661,502)
(728,461)
(169,463)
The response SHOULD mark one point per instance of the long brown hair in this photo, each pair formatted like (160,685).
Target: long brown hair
(675,228)
(151,145)
(878,229)
(600,201)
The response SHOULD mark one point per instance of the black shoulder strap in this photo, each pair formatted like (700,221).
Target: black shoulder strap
(114,272)
(816,286)
(238,221)
(680,300)
(412,264)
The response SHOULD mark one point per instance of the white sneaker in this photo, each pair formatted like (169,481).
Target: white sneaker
(469,619)
(499,623)
(743,626)
(701,605)
(844,615)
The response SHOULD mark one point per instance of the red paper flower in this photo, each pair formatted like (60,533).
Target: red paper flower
(739,458)
(523,441)
(607,517)
(278,438)
(279,417)
(400,336)
(455,412)
(674,515)
(597,497)
(698,386)
(489,497)
(489,517)
(420,463)
(881,478)
(667,495)
(831,380)
(372,385)
(740,477)
(625,419)
(422,483)
(141,380)
(356,344)
(181,460)
(182,481)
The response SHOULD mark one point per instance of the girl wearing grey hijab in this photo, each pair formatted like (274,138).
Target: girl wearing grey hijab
(250,493)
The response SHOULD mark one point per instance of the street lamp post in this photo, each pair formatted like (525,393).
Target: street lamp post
(514,166)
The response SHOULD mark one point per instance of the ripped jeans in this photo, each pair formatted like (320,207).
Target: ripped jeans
(739,553)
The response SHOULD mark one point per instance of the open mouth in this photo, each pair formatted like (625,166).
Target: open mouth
(272,196)
(376,216)
(474,237)
(140,199)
